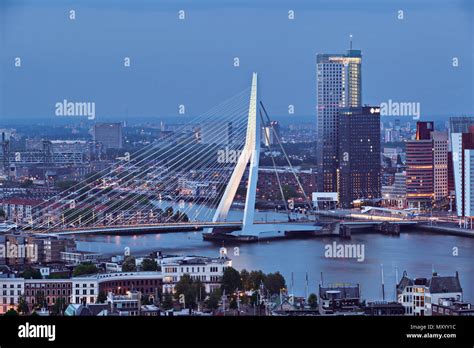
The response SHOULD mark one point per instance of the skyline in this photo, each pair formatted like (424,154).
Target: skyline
(75,60)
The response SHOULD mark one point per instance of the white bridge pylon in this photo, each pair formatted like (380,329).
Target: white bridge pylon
(250,153)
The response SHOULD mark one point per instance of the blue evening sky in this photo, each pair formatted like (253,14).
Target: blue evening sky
(190,61)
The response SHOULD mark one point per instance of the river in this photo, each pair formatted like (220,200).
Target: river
(416,252)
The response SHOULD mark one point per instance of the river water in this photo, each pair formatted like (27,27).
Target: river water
(416,252)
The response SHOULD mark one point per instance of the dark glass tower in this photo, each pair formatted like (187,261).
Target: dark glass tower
(359,175)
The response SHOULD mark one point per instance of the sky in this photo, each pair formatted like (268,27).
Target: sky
(191,62)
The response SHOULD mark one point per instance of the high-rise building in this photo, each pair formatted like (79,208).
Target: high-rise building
(338,86)
(109,134)
(221,133)
(462,147)
(419,163)
(268,133)
(359,174)
(440,161)
(396,194)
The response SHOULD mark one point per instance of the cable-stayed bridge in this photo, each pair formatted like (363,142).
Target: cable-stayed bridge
(185,181)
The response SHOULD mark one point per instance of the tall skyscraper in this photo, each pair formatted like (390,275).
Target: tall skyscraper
(440,161)
(462,147)
(359,174)
(109,134)
(222,133)
(338,86)
(420,164)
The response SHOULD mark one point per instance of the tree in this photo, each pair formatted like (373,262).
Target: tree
(149,265)
(39,299)
(145,300)
(65,185)
(11,312)
(59,307)
(231,280)
(167,302)
(31,273)
(27,183)
(312,300)
(255,279)
(84,268)
(245,277)
(193,290)
(289,191)
(274,282)
(180,217)
(101,297)
(23,305)
(233,304)
(129,264)
(212,302)
(169,212)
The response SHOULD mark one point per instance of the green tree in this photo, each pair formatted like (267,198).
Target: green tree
(149,265)
(39,299)
(65,185)
(27,183)
(274,282)
(245,277)
(84,268)
(31,273)
(23,305)
(212,301)
(167,302)
(255,279)
(169,212)
(59,306)
(145,300)
(312,300)
(193,290)
(129,264)
(101,297)
(180,217)
(289,191)
(11,312)
(231,280)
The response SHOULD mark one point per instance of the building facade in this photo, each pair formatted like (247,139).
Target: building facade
(359,175)
(420,167)
(440,162)
(208,270)
(108,134)
(338,85)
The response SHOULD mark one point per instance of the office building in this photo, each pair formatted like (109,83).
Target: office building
(338,86)
(396,195)
(359,175)
(109,135)
(462,150)
(419,167)
(440,161)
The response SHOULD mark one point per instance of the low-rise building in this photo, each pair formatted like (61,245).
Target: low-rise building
(75,257)
(449,306)
(11,289)
(340,299)
(418,295)
(124,305)
(208,270)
